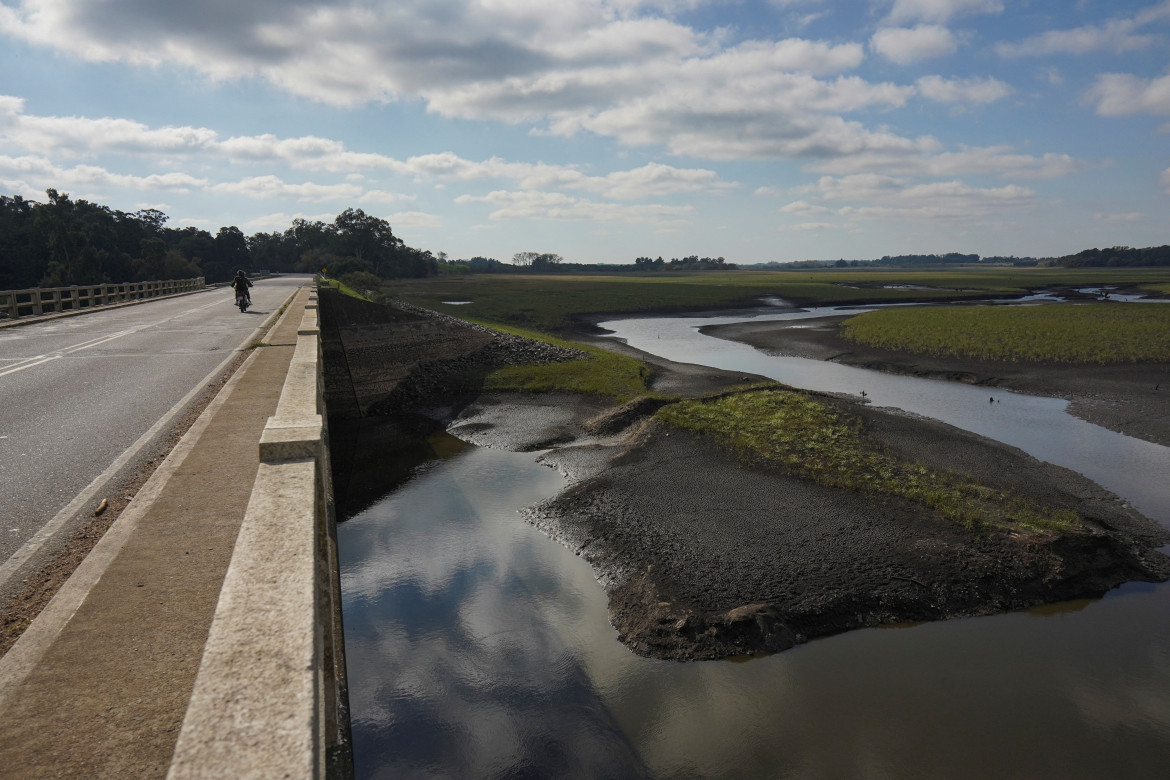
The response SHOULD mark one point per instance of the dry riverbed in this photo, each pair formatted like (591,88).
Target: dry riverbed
(705,555)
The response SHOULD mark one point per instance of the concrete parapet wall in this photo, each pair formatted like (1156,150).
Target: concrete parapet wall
(270,697)
(51,300)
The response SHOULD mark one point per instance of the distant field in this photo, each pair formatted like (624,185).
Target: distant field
(548,302)
(1101,333)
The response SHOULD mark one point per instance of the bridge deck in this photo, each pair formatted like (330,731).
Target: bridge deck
(99,684)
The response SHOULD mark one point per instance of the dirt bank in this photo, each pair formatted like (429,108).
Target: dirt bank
(1131,399)
(705,556)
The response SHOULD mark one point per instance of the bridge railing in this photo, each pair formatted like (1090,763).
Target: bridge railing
(270,697)
(51,300)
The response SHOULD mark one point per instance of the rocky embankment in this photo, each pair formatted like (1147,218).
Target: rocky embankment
(383,359)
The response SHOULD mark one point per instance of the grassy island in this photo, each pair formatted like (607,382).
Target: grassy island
(1098,333)
(811,439)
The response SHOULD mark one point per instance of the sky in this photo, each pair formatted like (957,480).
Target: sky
(605,130)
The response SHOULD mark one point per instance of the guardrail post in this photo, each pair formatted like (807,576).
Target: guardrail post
(48,300)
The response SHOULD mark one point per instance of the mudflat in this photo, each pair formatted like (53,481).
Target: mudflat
(706,554)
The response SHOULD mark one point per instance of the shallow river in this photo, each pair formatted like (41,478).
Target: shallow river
(479,647)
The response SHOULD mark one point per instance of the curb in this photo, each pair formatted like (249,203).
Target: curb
(69,516)
(23,656)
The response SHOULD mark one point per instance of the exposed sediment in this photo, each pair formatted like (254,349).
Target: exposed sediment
(704,555)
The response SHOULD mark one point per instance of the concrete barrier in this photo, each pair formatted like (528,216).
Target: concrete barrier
(51,300)
(270,698)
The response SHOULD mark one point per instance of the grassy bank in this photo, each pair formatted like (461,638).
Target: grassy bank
(549,303)
(602,372)
(1100,333)
(810,439)
(344,289)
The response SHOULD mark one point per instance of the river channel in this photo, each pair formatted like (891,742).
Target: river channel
(479,647)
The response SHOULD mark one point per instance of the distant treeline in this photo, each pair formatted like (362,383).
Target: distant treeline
(546,262)
(65,242)
(1118,256)
(1114,257)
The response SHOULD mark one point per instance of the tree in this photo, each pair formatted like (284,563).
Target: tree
(357,234)
(231,249)
(537,261)
(546,262)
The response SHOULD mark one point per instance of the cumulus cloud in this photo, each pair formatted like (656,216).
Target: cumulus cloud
(974,90)
(627,70)
(988,160)
(415,219)
(561,207)
(902,198)
(1122,94)
(621,68)
(1116,35)
(940,10)
(274,187)
(84,137)
(905,45)
(804,209)
(806,226)
(31,173)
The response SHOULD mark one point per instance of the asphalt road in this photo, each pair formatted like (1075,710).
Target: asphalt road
(77,392)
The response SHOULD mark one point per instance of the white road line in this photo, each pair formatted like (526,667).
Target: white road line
(10,567)
(20,659)
(38,360)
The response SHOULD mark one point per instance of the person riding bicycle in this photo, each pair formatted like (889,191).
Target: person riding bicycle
(241,284)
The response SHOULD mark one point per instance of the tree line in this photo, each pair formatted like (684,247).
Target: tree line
(64,242)
(549,262)
(1114,257)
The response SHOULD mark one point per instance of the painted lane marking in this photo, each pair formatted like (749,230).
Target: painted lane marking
(38,360)
(30,363)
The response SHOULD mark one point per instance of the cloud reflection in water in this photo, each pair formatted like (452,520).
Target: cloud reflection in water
(458,655)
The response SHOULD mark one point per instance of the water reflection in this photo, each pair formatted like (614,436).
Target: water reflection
(478,647)
(460,628)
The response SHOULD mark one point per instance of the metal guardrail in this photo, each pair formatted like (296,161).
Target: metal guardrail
(270,697)
(51,300)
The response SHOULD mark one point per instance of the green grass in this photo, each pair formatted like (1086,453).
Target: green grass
(344,289)
(602,373)
(808,439)
(1098,333)
(548,303)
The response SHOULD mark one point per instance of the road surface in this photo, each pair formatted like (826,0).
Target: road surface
(77,392)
